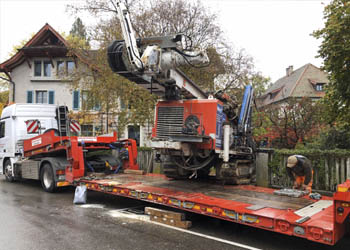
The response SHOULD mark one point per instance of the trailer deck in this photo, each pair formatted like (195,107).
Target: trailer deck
(245,204)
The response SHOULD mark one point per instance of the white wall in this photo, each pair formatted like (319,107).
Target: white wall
(24,79)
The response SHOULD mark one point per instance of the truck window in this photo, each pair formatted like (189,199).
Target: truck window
(2,129)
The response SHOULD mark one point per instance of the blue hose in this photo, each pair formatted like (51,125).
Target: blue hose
(89,166)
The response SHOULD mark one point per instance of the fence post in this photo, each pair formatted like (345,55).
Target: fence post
(337,179)
(348,168)
(316,178)
(342,170)
(262,169)
(326,171)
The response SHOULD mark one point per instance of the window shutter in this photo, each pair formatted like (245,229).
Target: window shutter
(76,96)
(29,96)
(51,97)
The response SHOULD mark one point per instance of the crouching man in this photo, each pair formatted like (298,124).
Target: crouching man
(300,172)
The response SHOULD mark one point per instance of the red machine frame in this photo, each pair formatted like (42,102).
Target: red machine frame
(50,143)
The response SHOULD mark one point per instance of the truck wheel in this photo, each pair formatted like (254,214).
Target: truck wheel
(8,171)
(47,178)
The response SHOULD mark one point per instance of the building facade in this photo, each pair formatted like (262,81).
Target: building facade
(306,81)
(37,73)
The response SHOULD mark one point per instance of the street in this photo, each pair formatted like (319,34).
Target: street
(33,219)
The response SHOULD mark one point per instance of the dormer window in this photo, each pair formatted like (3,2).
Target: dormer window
(319,86)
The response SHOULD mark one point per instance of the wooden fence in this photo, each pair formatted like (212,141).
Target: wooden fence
(145,160)
(329,170)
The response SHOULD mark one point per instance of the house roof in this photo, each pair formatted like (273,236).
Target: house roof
(47,42)
(285,86)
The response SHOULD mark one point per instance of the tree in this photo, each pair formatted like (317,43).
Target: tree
(169,17)
(79,30)
(335,51)
(4,81)
(4,99)
(287,124)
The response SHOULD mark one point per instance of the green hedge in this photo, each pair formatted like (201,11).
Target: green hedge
(144,149)
(314,152)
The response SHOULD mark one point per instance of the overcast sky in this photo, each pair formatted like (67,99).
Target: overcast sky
(276,33)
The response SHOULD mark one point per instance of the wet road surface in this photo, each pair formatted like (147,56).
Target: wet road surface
(31,219)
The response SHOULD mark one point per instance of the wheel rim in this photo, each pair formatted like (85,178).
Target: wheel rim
(47,179)
(8,170)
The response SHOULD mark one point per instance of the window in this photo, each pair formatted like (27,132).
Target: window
(85,100)
(29,96)
(122,105)
(42,68)
(319,87)
(76,96)
(65,67)
(37,68)
(87,130)
(88,102)
(51,97)
(2,129)
(134,133)
(70,67)
(41,96)
(47,68)
(273,95)
(60,67)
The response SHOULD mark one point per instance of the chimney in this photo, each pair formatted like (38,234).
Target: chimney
(289,70)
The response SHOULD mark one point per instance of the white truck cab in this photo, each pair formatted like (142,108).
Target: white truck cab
(13,129)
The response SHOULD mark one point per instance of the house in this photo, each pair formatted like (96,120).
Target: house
(35,73)
(307,81)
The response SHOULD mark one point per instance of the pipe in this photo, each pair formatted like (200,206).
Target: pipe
(226,155)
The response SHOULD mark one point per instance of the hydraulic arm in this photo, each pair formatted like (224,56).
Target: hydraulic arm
(153,62)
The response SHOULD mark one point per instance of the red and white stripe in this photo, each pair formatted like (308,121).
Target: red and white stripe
(74,126)
(32,126)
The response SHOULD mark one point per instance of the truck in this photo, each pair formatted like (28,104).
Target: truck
(54,156)
(36,143)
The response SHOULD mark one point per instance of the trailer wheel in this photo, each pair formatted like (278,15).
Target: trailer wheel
(8,171)
(47,178)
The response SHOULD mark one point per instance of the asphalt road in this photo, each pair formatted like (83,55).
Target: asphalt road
(31,219)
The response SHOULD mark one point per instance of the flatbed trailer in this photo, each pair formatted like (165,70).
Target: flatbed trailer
(323,221)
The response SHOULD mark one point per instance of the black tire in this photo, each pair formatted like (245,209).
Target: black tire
(7,171)
(47,178)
